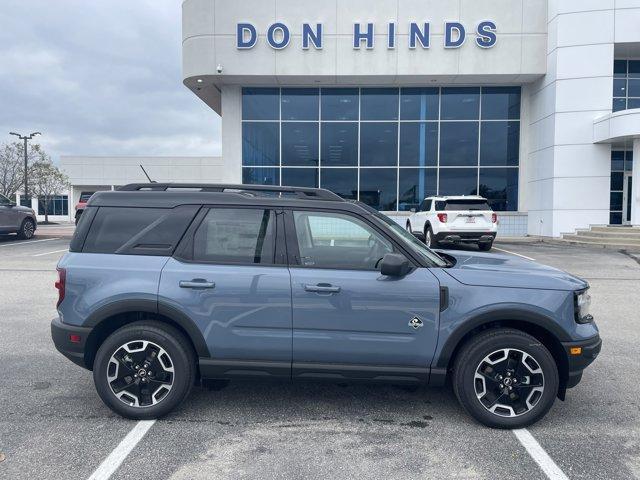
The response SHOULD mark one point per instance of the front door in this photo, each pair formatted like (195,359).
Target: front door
(626,199)
(349,321)
(229,278)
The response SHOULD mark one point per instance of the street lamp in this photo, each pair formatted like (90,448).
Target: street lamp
(25,138)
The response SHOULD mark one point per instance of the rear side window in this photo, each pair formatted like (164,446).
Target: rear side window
(467,205)
(237,236)
(85,196)
(138,231)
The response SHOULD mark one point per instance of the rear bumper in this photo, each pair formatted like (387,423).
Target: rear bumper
(462,237)
(61,335)
(577,363)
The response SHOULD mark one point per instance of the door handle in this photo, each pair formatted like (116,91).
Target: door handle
(199,283)
(322,288)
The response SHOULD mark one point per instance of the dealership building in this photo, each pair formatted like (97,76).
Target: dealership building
(534,104)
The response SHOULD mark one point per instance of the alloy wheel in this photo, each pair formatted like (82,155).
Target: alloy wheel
(28,229)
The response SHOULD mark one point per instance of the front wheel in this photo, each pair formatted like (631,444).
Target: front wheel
(27,229)
(428,238)
(144,370)
(505,378)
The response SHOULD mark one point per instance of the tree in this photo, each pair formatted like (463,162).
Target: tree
(12,166)
(45,182)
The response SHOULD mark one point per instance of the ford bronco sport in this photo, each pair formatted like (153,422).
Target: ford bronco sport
(168,285)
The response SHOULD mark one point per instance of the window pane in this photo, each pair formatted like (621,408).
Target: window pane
(619,104)
(300,144)
(339,103)
(458,143)
(617,160)
(260,104)
(633,103)
(616,201)
(500,187)
(619,87)
(458,181)
(300,177)
(235,235)
(260,144)
(343,181)
(629,162)
(300,104)
(501,103)
(378,144)
(419,144)
(334,240)
(500,143)
(260,176)
(419,104)
(634,68)
(620,68)
(633,87)
(378,187)
(460,103)
(615,218)
(379,104)
(617,179)
(415,185)
(113,227)
(339,144)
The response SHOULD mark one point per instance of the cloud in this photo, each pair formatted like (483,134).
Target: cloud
(100,78)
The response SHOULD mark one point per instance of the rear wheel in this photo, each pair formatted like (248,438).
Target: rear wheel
(144,370)
(27,229)
(409,227)
(428,238)
(505,378)
(485,246)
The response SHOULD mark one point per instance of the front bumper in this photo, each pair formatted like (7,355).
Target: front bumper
(590,349)
(61,335)
(463,237)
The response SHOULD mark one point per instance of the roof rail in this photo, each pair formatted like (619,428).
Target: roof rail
(299,192)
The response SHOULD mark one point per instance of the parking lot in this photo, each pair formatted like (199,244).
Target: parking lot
(53,425)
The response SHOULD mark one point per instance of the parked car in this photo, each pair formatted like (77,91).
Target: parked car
(454,219)
(82,203)
(165,287)
(17,219)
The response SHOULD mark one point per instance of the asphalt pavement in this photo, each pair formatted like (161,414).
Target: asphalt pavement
(53,425)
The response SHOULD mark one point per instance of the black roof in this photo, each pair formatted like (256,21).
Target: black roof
(169,195)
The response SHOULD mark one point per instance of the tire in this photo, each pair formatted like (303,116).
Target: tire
(428,238)
(174,364)
(409,227)
(27,229)
(477,392)
(485,246)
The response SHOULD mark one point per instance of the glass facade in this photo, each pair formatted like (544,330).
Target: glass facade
(621,167)
(58,205)
(626,84)
(388,147)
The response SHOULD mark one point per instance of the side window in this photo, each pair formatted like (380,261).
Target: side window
(335,240)
(427,206)
(440,205)
(422,206)
(4,200)
(236,235)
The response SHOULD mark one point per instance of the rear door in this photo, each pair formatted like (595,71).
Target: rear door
(349,321)
(230,277)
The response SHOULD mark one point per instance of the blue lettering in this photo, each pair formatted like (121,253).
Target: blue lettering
(271,36)
(418,35)
(309,36)
(358,36)
(391,38)
(486,34)
(241,31)
(449,41)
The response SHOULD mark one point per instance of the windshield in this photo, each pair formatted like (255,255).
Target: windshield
(412,242)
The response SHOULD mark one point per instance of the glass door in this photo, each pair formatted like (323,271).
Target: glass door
(626,199)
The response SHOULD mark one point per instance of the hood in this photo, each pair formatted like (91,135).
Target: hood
(497,270)
(20,208)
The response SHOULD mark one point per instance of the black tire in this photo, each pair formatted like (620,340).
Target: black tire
(485,246)
(409,227)
(474,354)
(428,238)
(27,229)
(182,360)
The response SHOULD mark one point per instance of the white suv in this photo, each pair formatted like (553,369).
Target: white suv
(466,218)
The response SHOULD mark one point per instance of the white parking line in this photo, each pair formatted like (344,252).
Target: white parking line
(49,253)
(13,244)
(128,443)
(513,253)
(542,458)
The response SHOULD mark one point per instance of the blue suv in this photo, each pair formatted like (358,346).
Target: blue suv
(169,285)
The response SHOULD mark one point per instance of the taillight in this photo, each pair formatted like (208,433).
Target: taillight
(494,218)
(60,284)
(442,217)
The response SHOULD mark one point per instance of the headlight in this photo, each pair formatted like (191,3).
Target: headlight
(583,306)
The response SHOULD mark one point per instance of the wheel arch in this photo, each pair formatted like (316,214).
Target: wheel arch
(106,320)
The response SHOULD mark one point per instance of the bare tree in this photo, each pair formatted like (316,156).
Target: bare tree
(46,181)
(12,166)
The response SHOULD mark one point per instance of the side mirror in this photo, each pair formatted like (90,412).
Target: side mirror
(413,210)
(394,265)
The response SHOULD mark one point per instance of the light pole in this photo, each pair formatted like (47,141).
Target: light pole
(25,138)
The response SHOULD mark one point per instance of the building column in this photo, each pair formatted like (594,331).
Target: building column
(635,187)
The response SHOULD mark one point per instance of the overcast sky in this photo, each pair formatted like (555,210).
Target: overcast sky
(100,77)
